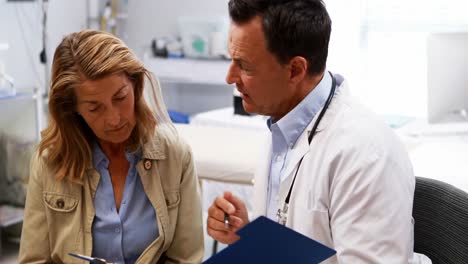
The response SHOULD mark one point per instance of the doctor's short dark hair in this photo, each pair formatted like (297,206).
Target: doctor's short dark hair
(291,28)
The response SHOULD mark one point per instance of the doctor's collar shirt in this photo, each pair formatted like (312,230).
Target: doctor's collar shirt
(284,135)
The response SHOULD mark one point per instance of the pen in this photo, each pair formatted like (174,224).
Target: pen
(89,259)
(226,220)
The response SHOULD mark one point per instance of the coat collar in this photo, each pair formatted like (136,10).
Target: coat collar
(340,93)
(302,146)
(155,149)
(300,149)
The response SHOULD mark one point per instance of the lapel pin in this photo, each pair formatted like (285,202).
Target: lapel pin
(147,164)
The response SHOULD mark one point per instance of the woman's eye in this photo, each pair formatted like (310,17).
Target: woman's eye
(92,110)
(120,98)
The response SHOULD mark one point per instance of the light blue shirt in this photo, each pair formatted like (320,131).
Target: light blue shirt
(284,134)
(122,236)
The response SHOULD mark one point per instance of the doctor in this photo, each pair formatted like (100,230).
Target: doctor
(333,171)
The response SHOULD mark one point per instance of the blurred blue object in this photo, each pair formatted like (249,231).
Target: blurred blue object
(397,121)
(178,117)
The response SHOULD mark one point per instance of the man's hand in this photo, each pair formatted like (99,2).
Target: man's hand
(238,218)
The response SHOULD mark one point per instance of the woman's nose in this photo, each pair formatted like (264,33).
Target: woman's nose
(113,118)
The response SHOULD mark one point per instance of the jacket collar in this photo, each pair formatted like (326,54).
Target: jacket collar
(155,149)
(300,149)
(341,92)
(302,146)
(293,124)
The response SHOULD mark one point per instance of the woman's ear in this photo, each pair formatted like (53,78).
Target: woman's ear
(298,69)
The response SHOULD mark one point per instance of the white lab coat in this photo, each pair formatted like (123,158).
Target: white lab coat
(354,190)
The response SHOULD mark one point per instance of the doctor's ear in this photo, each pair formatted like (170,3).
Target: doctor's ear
(298,69)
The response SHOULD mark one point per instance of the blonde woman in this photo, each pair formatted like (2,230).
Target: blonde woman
(111,179)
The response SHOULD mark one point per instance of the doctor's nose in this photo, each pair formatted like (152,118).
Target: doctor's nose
(232,75)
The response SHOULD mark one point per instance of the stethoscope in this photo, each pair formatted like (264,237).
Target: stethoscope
(282,213)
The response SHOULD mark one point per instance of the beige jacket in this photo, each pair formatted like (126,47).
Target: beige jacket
(59,214)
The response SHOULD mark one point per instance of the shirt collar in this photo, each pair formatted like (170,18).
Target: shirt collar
(293,124)
(100,158)
(155,148)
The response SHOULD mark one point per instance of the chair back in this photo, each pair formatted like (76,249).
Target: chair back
(440,212)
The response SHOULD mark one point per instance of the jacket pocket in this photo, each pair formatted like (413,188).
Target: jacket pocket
(64,224)
(60,202)
(172,199)
(311,223)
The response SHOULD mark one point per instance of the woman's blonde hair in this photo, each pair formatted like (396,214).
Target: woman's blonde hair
(91,55)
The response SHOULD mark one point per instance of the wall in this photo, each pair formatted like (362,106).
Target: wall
(20,28)
(150,19)
(352,48)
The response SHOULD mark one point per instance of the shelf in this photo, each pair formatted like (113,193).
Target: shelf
(18,96)
(21,100)
(191,71)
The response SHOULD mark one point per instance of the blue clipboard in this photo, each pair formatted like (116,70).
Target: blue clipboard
(265,241)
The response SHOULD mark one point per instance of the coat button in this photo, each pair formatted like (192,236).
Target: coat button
(147,164)
(60,203)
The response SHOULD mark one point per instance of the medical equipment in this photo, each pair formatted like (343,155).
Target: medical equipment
(204,37)
(282,214)
(447,81)
(109,17)
(7,87)
(6,82)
